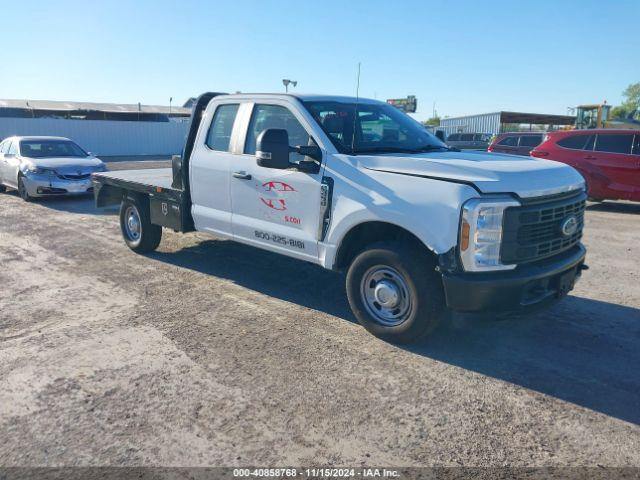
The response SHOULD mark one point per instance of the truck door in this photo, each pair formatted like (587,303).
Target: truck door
(209,171)
(272,208)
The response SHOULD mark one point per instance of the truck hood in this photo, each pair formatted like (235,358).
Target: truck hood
(488,172)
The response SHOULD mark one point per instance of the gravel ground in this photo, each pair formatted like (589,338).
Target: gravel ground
(212,353)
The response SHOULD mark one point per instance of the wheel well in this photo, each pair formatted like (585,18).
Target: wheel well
(369,233)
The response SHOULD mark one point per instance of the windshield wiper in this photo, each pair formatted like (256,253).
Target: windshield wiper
(431,148)
(425,148)
(358,151)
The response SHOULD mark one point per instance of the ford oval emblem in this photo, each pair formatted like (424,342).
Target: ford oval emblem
(569,226)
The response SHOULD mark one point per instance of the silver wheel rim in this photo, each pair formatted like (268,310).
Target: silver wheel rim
(385,295)
(132,224)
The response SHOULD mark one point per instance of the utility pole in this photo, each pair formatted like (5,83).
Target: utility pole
(286,82)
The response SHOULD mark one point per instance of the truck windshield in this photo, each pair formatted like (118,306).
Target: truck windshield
(377,128)
(50,148)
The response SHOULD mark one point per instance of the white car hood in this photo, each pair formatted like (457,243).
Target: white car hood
(65,163)
(489,172)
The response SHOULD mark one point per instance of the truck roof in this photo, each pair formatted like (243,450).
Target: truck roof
(36,137)
(305,97)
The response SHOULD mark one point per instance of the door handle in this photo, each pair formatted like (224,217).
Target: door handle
(589,157)
(242,175)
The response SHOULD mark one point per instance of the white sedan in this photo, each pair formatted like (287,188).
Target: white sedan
(46,166)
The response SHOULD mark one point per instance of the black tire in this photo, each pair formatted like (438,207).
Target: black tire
(148,235)
(419,281)
(22,190)
(3,189)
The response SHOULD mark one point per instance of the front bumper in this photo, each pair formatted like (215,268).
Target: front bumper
(525,288)
(45,185)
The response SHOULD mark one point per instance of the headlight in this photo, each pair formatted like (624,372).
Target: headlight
(481,233)
(34,170)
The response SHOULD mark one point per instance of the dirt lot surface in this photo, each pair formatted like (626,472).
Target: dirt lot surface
(212,353)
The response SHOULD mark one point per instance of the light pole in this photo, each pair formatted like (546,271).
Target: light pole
(286,82)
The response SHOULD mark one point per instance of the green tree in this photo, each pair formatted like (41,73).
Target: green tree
(630,104)
(621,111)
(632,96)
(433,121)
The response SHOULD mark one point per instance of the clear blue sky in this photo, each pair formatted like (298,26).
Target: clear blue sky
(467,56)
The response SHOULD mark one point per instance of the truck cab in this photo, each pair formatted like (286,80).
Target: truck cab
(357,186)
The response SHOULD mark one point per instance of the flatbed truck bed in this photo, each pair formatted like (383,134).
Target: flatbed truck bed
(146,179)
(169,206)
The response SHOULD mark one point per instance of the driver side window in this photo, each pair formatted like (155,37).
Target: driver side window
(265,117)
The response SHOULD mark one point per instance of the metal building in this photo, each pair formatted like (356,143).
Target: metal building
(101,128)
(498,122)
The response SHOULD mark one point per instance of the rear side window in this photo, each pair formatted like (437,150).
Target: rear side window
(466,137)
(614,143)
(4,147)
(509,142)
(530,140)
(219,136)
(13,148)
(576,142)
(454,137)
(636,148)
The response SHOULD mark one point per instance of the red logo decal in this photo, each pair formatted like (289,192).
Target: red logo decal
(278,187)
(276,204)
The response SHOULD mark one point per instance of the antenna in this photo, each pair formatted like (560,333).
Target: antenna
(355,113)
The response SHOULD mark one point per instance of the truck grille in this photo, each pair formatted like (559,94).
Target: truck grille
(534,231)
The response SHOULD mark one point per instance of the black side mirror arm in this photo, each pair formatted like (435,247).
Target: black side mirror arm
(311,151)
(306,166)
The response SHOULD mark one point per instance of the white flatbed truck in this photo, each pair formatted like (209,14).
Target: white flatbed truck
(355,185)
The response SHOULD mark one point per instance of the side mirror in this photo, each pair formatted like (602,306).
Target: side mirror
(440,135)
(272,148)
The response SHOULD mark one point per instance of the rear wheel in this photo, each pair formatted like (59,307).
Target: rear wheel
(22,189)
(138,232)
(3,188)
(395,292)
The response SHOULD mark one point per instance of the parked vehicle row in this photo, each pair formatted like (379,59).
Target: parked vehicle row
(516,143)
(46,166)
(469,141)
(355,185)
(609,160)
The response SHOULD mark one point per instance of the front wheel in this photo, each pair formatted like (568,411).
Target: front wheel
(395,292)
(138,232)
(22,190)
